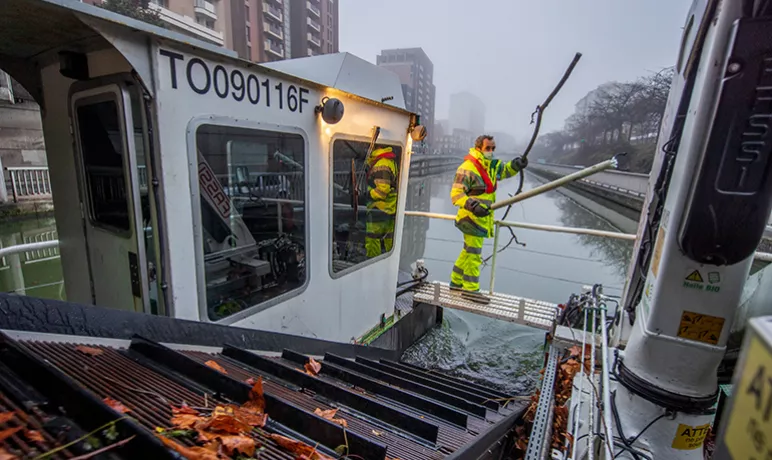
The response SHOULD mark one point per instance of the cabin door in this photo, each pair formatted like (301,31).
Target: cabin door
(108,145)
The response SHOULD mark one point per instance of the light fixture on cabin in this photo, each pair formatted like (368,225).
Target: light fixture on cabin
(331,110)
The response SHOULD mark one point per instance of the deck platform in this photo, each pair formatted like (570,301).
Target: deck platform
(529,312)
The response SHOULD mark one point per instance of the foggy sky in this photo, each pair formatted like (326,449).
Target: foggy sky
(511,53)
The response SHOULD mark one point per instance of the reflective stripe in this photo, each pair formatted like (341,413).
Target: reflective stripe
(379,236)
(457,269)
(472,250)
(472,279)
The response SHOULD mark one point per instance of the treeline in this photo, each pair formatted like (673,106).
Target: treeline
(613,118)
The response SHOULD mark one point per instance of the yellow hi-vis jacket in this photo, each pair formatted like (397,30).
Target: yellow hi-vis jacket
(382,182)
(477,179)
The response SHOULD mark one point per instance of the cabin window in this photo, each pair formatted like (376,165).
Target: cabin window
(101,142)
(365,185)
(252,187)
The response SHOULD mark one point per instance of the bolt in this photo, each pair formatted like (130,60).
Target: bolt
(734,67)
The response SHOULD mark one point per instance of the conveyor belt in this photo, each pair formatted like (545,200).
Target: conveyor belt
(529,312)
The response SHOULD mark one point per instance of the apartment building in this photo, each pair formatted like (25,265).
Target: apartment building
(258,30)
(314,26)
(416,73)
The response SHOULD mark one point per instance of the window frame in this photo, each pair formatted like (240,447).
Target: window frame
(108,93)
(195,198)
(331,201)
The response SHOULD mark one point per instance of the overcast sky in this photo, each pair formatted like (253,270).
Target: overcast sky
(512,52)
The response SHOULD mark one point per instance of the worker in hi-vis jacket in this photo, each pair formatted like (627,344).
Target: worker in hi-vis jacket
(382,201)
(473,192)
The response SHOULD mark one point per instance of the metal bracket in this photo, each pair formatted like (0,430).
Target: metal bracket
(542,421)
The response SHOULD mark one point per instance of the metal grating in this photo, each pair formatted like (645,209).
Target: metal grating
(529,312)
(542,421)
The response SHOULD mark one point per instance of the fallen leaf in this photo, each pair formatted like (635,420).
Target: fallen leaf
(256,401)
(6,417)
(223,420)
(298,448)
(191,453)
(330,415)
(231,443)
(33,435)
(184,409)
(187,421)
(213,364)
(91,351)
(313,366)
(377,433)
(5,455)
(250,381)
(116,405)
(8,432)
(251,418)
(575,351)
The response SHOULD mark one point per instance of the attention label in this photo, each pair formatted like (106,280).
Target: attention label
(750,422)
(700,328)
(695,276)
(690,437)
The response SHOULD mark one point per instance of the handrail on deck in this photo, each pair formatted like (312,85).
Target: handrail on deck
(19,248)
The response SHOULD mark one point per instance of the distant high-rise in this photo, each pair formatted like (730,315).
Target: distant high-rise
(314,26)
(467,112)
(416,73)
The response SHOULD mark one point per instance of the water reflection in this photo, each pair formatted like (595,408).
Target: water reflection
(550,267)
(33,273)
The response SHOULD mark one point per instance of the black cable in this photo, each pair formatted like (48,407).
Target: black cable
(619,424)
(425,274)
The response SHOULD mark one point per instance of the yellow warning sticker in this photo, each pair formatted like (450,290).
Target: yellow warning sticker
(695,276)
(657,256)
(700,328)
(690,437)
(750,422)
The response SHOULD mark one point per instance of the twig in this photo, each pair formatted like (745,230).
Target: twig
(71,443)
(104,449)
(138,390)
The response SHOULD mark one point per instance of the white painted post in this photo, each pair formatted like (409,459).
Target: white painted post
(3,190)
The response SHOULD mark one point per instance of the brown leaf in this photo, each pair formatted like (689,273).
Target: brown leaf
(184,409)
(223,420)
(6,417)
(256,403)
(330,415)
(575,350)
(8,432)
(186,421)
(116,405)
(313,366)
(33,435)
(298,448)
(231,443)
(213,364)
(251,418)
(91,351)
(191,453)
(5,455)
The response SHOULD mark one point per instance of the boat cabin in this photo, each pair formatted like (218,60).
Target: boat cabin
(190,183)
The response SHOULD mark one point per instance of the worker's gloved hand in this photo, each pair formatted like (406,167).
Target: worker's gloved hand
(477,208)
(519,163)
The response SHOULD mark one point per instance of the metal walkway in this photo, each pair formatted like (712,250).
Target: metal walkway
(529,312)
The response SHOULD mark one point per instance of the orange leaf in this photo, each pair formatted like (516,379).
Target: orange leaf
(251,418)
(298,448)
(186,421)
(250,381)
(313,366)
(191,453)
(330,415)
(223,420)
(184,409)
(256,401)
(575,350)
(5,455)
(8,432)
(33,435)
(6,417)
(213,364)
(116,405)
(91,351)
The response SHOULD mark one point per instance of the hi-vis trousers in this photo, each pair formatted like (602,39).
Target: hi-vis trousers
(466,271)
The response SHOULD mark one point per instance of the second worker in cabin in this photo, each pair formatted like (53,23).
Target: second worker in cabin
(382,201)
(473,192)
